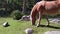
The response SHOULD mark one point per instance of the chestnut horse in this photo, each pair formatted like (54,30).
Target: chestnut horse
(44,8)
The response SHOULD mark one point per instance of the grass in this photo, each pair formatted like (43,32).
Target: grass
(18,27)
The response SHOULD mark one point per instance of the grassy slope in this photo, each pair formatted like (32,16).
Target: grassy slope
(18,27)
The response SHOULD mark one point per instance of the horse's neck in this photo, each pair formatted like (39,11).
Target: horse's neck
(58,2)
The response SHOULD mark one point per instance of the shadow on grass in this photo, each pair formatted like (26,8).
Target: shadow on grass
(7,26)
(50,26)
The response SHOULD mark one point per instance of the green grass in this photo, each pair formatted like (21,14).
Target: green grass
(18,27)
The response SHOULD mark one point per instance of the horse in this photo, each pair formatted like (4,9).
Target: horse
(44,8)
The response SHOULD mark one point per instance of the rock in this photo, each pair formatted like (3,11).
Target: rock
(28,31)
(50,19)
(27,18)
(5,24)
(55,20)
(52,32)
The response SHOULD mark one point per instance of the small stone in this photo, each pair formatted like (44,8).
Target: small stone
(5,24)
(28,31)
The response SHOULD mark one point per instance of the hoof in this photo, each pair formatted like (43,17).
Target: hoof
(38,25)
(47,25)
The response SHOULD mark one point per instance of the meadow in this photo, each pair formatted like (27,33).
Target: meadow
(18,27)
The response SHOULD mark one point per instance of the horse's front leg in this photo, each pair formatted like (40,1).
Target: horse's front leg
(47,21)
(39,20)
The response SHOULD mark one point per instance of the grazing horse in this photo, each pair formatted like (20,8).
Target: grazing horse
(44,8)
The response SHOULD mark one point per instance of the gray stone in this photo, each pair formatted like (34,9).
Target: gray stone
(5,24)
(29,31)
(27,18)
(55,20)
(52,32)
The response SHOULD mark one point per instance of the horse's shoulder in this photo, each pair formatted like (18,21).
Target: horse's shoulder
(40,2)
(51,5)
(51,2)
